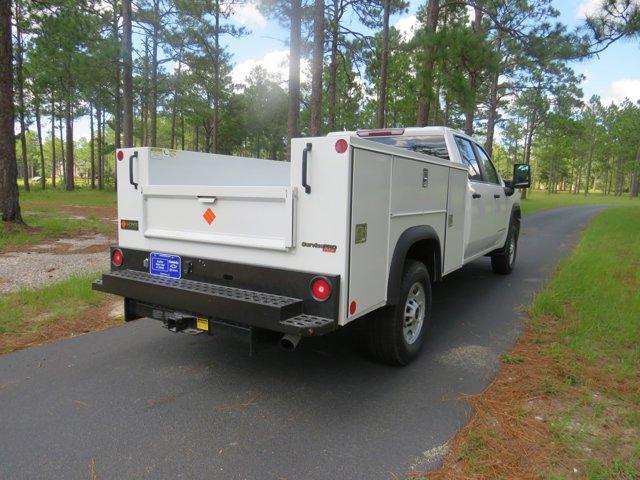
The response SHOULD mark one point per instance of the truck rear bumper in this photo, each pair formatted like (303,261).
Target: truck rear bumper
(146,293)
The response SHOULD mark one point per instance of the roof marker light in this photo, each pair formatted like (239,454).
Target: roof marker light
(385,132)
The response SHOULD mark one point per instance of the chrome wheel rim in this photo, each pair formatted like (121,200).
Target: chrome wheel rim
(414,313)
(512,250)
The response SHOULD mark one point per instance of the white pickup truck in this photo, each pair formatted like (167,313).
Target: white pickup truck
(357,225)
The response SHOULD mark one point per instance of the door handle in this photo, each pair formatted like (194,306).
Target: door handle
(305,153)
(496,196)
(135,155)
(206,199)
(476,195)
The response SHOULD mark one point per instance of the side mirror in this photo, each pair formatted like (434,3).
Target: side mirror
(521,176)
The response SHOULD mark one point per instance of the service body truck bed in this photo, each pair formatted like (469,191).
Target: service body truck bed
(306,246)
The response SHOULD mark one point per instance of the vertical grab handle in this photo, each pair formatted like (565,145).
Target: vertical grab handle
(305,153)
(135,155)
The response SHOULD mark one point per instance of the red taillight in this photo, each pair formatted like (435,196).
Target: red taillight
(341,145)
(117,257)
(320,289)
(352,307)
(120,155)
(380,132)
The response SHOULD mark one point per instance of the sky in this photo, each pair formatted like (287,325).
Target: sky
(613,75)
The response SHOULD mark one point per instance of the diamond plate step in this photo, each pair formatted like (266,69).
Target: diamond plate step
(303,323)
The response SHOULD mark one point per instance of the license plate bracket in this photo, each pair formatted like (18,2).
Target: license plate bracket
(165,265)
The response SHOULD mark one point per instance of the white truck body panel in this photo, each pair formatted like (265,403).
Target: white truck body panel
(263,217)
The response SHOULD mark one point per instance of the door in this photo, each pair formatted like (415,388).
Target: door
(499,218)
(480,202)
(369,231)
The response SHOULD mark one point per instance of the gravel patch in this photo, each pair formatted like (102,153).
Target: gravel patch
(53,261)
(468,357)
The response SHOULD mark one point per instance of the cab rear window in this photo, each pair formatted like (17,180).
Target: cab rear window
(426,144)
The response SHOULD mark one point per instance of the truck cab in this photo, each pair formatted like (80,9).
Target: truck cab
(357,226)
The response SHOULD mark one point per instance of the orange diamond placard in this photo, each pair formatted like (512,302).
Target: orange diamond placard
(209,216)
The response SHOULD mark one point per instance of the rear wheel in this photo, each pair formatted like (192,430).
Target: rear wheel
(503,262)
(396,332)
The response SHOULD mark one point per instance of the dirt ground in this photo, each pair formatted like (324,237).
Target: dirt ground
(106,315)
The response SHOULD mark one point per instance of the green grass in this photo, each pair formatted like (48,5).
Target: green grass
(45,216)
(593,303)
(80,196)
(539,200)
(566,403)
(597,293)
(26,312)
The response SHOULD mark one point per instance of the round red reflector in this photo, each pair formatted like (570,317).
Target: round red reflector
(320,289)
(352,307)
(341,145)
(120,155)
(117,257)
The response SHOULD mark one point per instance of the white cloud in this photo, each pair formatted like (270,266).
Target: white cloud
(276,63)
(407,27)
(247,14)
(588,7)
(619,90)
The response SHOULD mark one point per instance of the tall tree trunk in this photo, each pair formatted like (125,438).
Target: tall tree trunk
(215,127)
(182,133)
(153,107)
(144,96)
(174,102)
(100,149)
(528,139)
(473,76)
(92,147)
(53,140)
(384,63)
(635,182)
(294,72)
(426,85)
(333,64)
(70,177)
(117,94)
(588,182)
(62,155)
(21,106)
(492,113)
(318,62)
(36,104)
(9,193)
(127,74)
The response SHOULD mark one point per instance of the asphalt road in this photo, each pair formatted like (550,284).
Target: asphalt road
(140,402)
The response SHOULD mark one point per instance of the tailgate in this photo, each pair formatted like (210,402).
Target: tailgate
(248,216)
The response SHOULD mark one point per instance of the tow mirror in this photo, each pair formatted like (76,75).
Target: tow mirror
(521,176)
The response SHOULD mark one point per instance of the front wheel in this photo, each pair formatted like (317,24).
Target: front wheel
(396,332)
(503,262)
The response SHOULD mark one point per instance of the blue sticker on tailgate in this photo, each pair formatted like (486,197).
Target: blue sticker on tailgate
(165,265)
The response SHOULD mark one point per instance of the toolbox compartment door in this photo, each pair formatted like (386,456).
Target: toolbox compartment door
(248,216)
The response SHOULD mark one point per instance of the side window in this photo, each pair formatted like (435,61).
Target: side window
(469,158)
(492,175)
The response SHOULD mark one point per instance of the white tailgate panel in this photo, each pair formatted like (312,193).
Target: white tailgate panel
(249,216)
(370,206)
(454,245)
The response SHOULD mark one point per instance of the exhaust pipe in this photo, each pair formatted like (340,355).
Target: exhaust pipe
(289,342)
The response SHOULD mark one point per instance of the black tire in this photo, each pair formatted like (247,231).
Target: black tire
(387,340)
(502,263)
